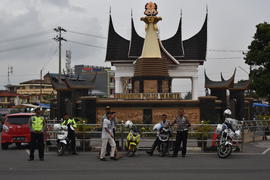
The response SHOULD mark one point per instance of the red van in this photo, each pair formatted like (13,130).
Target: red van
(16,129)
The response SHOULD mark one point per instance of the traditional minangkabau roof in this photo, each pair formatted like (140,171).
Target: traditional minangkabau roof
(58,85)
(195,47)
(122,50)
(67,83)
(136,43)
(223,84)
(117,46)
(79,84)
(241,85)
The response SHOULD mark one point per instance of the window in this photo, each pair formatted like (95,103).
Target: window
(18,120)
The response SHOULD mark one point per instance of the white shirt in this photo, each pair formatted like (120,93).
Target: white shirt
(106,124)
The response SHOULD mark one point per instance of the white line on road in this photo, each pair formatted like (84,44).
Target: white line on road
(264,152)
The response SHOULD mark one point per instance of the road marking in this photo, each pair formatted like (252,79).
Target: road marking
(264,152)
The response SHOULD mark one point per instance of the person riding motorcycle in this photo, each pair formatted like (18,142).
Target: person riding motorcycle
(228,120)
(164,123)
(133,137)
(72,125)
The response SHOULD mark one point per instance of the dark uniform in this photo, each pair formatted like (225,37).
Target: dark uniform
(37,124)
(182,134)
(71,133)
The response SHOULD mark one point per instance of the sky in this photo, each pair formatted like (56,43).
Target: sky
(26,33)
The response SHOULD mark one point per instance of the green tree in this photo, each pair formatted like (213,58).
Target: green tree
(258,56)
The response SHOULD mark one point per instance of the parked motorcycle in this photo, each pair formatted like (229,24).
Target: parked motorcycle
(62,138)
(227,138)
(133,139)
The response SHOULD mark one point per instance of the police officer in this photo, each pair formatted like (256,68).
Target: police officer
(183,124)
(37,125)
(72,125)
(164,123)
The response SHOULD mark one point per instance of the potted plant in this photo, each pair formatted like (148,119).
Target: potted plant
(202,133)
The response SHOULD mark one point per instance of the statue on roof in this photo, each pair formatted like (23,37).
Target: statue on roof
(151,9)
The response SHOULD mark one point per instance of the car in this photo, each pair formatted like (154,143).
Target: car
(16,129)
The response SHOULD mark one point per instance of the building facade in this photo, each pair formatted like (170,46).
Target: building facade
(36,90)
(104,83)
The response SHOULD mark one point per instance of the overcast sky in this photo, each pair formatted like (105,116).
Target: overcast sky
(30,23)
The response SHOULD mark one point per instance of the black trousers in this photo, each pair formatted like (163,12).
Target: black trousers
(37,140)
(156,143)
(72,138)
(181,137)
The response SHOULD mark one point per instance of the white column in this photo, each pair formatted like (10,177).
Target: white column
(194,81)
(118,85)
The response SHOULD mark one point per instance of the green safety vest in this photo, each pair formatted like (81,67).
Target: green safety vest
(37,123)
(72,122)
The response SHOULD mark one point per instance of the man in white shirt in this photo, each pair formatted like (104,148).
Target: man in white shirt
(107,136)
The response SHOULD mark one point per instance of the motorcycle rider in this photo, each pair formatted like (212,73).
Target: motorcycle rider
(182,132)
(164,123)
(72,125)
(228,120)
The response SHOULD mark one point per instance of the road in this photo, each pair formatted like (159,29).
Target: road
(248,166)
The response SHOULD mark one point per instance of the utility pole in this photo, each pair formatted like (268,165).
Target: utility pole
(10,71)
(59,39)
(40,99)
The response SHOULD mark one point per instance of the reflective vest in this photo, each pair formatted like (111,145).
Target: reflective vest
(37,123)
(72,122)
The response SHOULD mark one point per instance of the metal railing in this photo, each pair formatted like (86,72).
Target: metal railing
(202,135)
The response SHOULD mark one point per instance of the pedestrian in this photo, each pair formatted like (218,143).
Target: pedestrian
(107,136)
(37,126)
(72,125)
(164,123)
(183,124)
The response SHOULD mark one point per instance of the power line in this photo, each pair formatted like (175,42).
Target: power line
(227,50)
(86,34)
(24,47)
(85,44)
(214,58)
(23,37)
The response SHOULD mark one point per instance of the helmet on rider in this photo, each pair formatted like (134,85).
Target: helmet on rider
(227,113)
(128,124)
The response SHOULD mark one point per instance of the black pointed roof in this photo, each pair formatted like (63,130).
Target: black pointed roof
(195,47)
(117,46)
(174,44)
(136,43)
(223,84)
(241,85)
(122,50)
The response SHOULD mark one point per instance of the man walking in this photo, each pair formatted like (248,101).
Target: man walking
(164,123)
(183,124)
(107,136)
(72,125)
(37,125)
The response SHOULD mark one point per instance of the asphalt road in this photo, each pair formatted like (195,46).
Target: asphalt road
(248,166)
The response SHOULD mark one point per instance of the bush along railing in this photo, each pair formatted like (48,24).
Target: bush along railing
(201,135)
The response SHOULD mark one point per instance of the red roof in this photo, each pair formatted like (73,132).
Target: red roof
(8,94)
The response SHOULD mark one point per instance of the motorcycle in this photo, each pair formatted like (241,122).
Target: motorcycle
(226,140)
(62,138)
(164,135)
(133,139)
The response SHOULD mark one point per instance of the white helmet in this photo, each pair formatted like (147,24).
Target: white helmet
(227,112)
(128,124)
(157,127)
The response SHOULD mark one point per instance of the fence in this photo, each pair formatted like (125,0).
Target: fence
(200,135)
